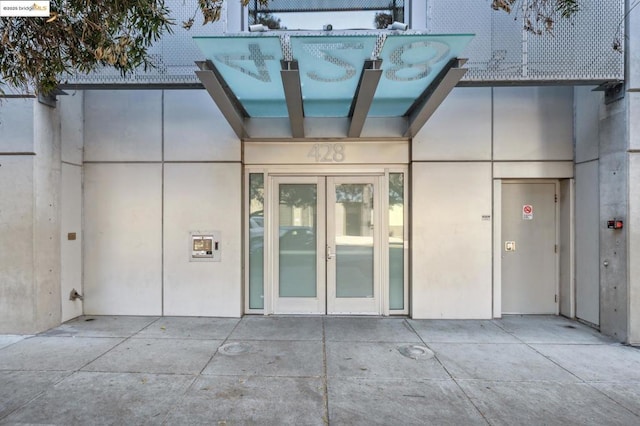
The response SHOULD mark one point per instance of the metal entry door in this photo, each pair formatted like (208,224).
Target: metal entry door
(529,271)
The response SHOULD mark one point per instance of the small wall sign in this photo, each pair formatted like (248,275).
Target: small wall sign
(527,212)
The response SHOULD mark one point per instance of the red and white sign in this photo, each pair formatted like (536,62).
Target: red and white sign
(527,212)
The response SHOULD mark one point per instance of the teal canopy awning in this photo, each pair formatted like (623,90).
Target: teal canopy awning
(352,76)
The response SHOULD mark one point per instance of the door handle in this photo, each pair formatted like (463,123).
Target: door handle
(329,254)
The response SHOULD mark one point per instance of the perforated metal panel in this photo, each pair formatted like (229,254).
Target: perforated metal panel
(579,49)
(173,55)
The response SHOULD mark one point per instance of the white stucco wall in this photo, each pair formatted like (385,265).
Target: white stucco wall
(184,174)
(123,125)
(144,191)
(587,131)
(71,250)
(533,123)
(123,239)
(451,244)
(71,109)
(202,197)
(195,130)
(444,139)
(477,136)
(71,112)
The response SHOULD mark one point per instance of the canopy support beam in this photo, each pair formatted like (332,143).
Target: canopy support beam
(223,97)
(427,103)
(293,96)
(363,98)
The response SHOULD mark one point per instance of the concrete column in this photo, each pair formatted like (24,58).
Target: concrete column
(29,217)
(47,171)
(16,215)
(633,232)
(633,164)
(613,177)
(620,199)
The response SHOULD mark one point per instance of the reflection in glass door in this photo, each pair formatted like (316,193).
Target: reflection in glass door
(352,245)
(326,245)
(298,241)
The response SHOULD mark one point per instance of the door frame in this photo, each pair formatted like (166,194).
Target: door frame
(383,170)
(497,239)
(325,302)
(334,305)
(296,305)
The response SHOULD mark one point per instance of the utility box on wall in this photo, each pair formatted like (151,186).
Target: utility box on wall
(205,246)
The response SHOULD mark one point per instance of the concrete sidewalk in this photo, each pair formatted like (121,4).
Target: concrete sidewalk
(312,371)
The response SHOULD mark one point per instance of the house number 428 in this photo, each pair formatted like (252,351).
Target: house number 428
(327,152)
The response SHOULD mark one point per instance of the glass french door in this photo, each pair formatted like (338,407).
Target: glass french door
(325,240)
(352,281)
(298,245)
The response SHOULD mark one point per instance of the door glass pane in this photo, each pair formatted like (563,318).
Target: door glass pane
(256,241)
(396,241)
(298,230)
(354,240)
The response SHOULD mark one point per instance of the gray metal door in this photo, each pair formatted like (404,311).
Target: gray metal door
(529,266)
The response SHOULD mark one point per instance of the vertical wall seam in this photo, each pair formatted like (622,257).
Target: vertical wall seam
(162,117)
(82,211)
(627,74)
(245,210)
(34,221)
(627,119)
(58,207)
(493,213)
(572,220)
(409,230)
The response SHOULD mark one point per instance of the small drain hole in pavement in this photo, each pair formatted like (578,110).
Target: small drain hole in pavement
(569,326)
(416,352)
(89,319)
(234,348)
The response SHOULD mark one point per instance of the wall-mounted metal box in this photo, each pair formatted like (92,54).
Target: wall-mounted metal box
(205,246)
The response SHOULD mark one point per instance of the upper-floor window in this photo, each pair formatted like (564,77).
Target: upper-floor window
(317,14)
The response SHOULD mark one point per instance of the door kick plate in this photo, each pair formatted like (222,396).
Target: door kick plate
(509,246)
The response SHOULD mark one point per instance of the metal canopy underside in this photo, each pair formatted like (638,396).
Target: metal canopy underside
(297,85)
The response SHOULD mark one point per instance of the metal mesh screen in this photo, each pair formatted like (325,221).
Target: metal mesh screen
(287,53)
(579,48)
(173,55)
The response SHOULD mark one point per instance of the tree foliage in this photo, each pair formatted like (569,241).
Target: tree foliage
(270,21)
(382,20)
(538,16)
(37,54)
